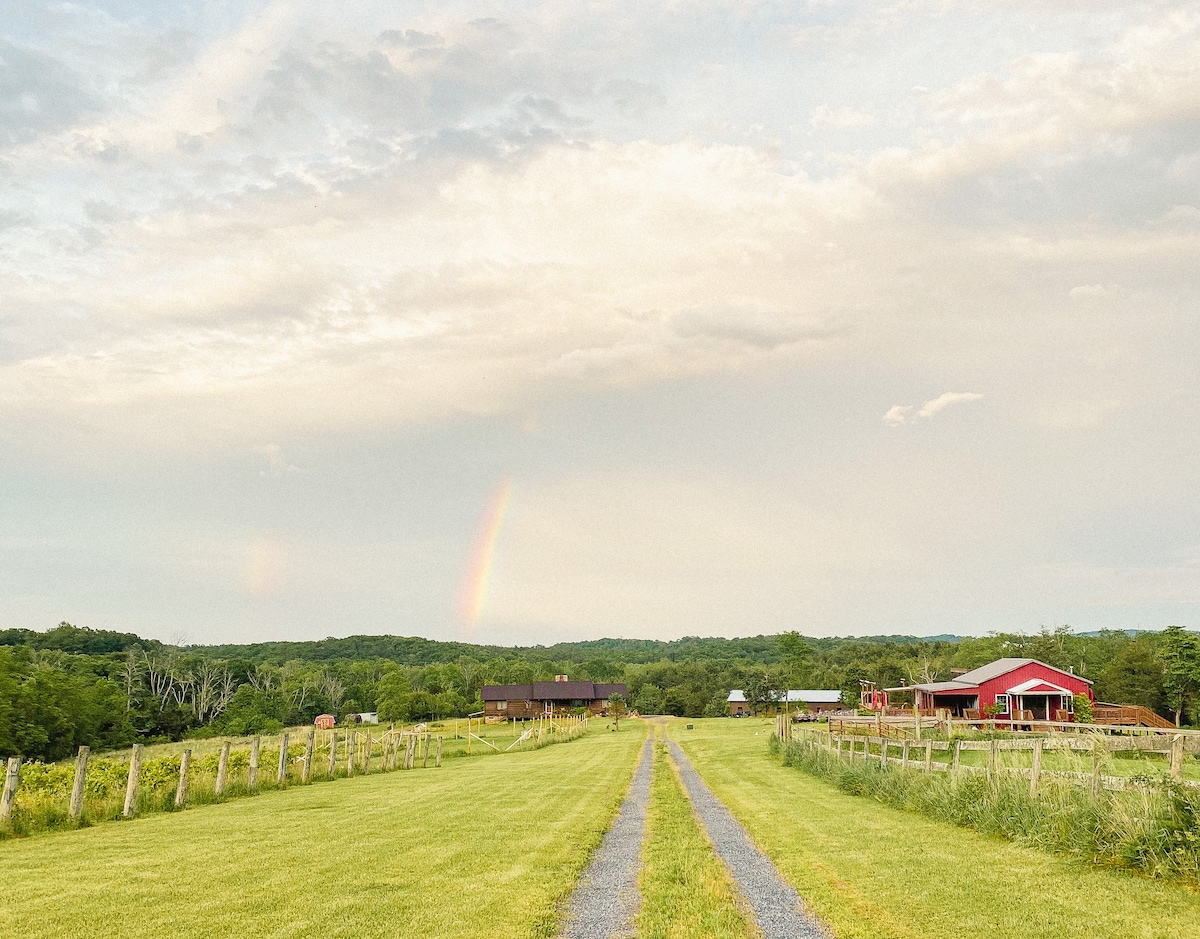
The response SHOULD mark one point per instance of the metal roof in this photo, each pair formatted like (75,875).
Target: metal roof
(737,695)
(1004,666)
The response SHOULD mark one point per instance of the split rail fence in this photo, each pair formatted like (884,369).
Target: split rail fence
(918,755)
(398,749)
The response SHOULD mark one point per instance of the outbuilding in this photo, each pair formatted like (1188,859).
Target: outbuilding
(813,700)
(324,721)
(1018,688)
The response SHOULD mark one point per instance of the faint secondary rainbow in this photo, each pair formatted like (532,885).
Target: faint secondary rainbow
(484,553)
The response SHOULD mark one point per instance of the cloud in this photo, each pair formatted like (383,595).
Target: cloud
(897,414)
(900,413)
(942,401)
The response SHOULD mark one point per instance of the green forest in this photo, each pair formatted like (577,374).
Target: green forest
(70,686)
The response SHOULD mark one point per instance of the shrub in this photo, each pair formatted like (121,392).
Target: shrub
(1154,828)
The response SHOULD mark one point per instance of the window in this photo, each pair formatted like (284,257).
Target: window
(501,705)
(1002,703)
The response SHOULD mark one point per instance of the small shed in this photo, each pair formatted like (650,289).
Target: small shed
(738,706)
(324,721)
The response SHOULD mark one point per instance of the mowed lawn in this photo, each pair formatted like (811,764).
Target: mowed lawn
(475,848)
(873,871)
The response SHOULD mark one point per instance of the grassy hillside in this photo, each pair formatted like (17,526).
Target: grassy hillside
(476,848)
(873,871)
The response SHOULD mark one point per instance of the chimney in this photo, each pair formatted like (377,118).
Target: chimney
(560,677)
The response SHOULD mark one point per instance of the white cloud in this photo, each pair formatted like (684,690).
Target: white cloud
(945,400)
(897,414)
(900,413)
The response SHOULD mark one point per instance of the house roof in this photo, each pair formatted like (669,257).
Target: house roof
(737,696)
(552,691)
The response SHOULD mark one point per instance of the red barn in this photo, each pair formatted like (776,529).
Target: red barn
(1017,685)
(324,721)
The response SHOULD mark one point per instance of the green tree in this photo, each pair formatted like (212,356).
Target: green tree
(649,700)
(1134,676)
(1180,653)
(616,709)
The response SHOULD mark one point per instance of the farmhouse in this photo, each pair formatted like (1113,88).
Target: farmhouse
(813,700)
(541,698)
(1020,688)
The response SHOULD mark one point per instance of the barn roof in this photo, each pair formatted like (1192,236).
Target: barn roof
(976,677)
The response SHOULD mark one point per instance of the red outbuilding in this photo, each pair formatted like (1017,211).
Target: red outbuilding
(325,721)
(1023,688)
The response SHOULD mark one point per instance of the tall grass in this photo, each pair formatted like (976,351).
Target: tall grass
(1153,828)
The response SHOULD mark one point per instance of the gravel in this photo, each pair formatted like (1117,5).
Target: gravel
(776,905)
(607,899)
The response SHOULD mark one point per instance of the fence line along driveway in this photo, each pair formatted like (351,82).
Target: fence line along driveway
(606,900)
(777,907)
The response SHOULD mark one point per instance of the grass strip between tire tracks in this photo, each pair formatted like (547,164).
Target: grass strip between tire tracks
(686,890)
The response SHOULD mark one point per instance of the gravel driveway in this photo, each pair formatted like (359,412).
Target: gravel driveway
(607,899)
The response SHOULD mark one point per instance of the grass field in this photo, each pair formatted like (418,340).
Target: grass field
(477,848)
(873,871)
(686,890)
(42,797)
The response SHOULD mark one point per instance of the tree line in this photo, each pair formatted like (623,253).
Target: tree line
(71,686)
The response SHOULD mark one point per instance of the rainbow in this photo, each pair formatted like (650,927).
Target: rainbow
(484,554)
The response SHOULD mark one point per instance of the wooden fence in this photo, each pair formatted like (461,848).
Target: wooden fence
(398,749)
(918,755)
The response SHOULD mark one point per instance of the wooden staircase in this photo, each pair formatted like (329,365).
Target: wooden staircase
(1129,715)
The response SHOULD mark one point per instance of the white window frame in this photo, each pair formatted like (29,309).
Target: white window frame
(1007,702)
(501,705)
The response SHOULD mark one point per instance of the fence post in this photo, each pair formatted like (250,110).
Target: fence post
(437,760)
(306,773)
(1177,757)
(1036,772)
(367,755)
(185,763)
(81,762)
(1095,770)
(409,744)
(904,755)
(917,721)
(332,753)
(131,786)
(254,744)
(883,752)
(991,767)
(351,737)
(425,753)
(954,760)
(281,776)
(223,766)
(11,777)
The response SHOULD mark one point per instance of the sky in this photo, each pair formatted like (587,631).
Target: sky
(527,322)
